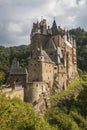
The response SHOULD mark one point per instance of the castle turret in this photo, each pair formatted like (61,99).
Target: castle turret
(35,29)
(43,26)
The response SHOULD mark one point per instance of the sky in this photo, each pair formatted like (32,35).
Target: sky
(17,17)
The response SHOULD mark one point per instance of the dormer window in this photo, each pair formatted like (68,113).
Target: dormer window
(41,58)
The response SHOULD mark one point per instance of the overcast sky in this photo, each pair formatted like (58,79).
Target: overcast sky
(17,16)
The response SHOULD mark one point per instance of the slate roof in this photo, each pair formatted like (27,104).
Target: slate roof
(50,45)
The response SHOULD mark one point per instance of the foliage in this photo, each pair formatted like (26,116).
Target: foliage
(4,58)
(82,123)
(81,39)
(17,115)
(21,53)
(68,92)
(62,120)
(2,77)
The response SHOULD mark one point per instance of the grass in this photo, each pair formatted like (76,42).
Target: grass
(75,87)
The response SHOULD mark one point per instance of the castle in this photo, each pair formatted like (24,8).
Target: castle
(52,64)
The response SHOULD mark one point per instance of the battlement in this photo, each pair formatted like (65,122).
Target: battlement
(41,28)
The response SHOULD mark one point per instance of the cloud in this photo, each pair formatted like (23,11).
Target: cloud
(17,16)
(82,2)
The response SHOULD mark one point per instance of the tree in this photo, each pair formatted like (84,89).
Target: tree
(81,39)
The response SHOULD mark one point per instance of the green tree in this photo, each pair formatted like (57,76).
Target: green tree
(81,39)
(2,78)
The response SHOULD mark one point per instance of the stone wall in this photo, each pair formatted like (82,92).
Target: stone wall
(47,73)
(17,92)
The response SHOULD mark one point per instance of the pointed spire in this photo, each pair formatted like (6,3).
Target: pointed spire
(54,28)
(54,24)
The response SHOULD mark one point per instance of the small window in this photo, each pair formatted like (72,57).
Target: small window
(51,54)
(41,57)
(61,67)
(55,68)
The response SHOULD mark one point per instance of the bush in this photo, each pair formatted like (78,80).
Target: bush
(63,121)
(79,120)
